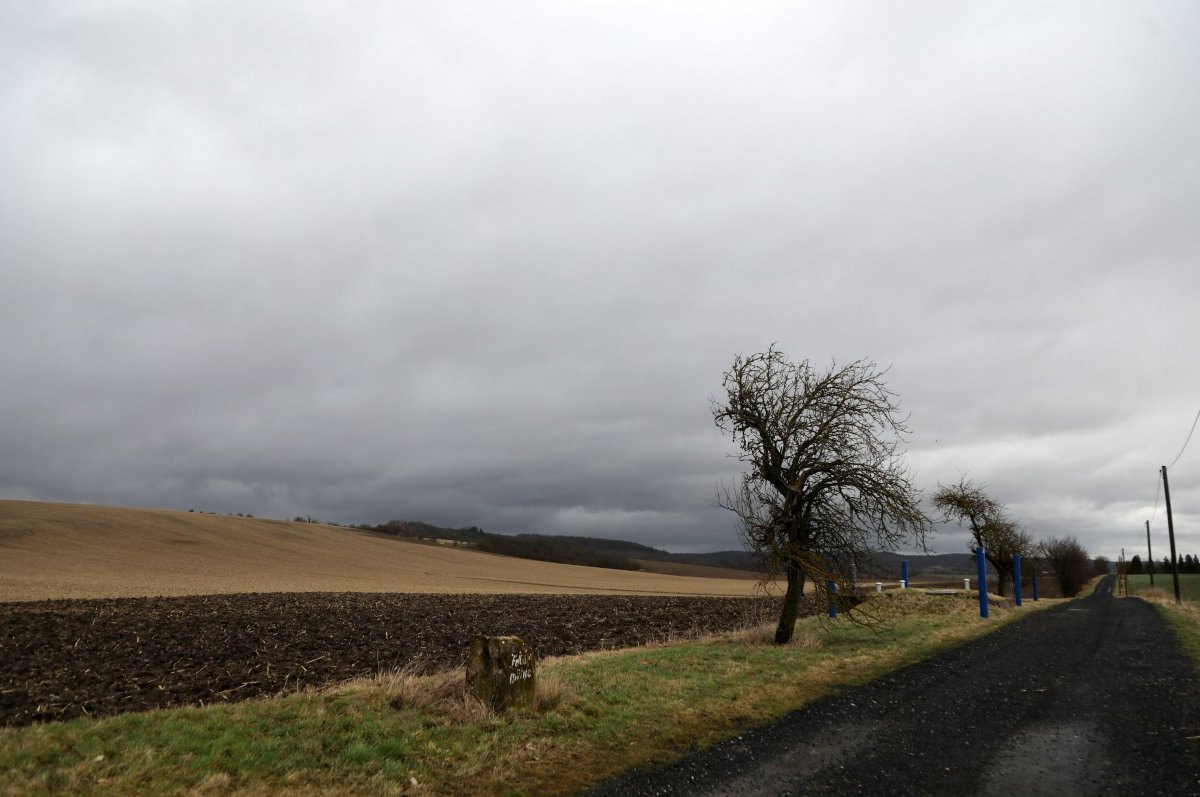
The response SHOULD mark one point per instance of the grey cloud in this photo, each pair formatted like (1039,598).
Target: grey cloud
(486,268)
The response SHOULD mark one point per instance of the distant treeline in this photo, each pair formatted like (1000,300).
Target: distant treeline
(588,551)
(553,549)
(623,554)
(543,548)
(1187,564)
(426,531)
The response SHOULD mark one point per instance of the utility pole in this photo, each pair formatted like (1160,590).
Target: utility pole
(1122,579)
(1150,555)
(1171,534)
(1121,574)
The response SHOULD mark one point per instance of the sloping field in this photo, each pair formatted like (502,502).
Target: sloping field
(52,551)
(701,571)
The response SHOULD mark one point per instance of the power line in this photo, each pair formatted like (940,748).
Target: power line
(1185,442)
(1157,487)
(1158,481)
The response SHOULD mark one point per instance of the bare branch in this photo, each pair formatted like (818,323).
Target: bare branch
(826,483)
(991,529)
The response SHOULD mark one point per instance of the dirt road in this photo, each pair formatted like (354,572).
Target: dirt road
(1091,697)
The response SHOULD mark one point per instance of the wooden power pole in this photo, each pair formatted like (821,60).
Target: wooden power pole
(1150,555)
(1171,534)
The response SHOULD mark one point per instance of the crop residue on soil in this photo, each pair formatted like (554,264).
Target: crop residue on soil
(64,659)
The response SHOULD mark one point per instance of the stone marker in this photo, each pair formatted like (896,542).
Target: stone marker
(500,672)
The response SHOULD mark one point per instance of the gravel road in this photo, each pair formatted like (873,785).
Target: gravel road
(1090,697)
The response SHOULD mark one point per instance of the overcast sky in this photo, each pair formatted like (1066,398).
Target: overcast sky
(485,263)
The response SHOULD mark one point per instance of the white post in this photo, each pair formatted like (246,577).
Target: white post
(967,584)
(879,586)
(903,584)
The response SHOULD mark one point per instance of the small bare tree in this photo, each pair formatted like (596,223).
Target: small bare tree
(1070,562)
(827,483)
(991,528)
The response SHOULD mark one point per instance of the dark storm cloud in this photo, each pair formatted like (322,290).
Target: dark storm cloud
(484,267)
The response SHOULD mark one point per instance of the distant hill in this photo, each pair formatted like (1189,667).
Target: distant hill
(887,563)
(50,551)
(736,560)
(414,529)
(628,555)
(67,550)
(589,551)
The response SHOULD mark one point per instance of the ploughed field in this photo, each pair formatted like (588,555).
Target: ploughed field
(61,659)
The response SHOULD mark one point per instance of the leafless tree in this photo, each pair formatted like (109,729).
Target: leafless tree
(827,483)
(1070,563)
(991,528)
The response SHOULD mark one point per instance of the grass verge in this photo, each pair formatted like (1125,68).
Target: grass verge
(1189,585)
(1183,618)
(598,714)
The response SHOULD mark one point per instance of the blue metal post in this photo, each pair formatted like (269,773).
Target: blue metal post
(904,572)
(832,586)
(1033,579)
(1017,578)
(981,566)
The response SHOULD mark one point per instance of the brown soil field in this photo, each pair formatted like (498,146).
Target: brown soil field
(50,551)
(63,659)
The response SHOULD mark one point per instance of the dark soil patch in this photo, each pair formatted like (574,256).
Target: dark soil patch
(64,659)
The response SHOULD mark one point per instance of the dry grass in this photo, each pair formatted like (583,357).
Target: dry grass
(808,636)
(440,695)
(52,551)
(443,696)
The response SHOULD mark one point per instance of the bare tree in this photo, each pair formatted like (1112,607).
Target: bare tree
(1070,562)
(827,483)
(991,528)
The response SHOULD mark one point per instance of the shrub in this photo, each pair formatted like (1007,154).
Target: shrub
(1070,563)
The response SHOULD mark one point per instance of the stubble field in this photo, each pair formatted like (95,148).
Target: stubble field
(50,551)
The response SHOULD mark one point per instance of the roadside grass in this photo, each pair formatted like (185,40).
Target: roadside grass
(597,714)
(1183,618)
(1189,585)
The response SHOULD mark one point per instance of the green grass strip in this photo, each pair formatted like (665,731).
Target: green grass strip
(1189,586)
(1185,622)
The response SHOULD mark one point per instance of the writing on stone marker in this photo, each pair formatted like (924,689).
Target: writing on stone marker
(520,670)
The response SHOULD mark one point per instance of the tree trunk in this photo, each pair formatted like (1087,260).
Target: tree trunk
(1005,581)
(1004,575)
(791,605)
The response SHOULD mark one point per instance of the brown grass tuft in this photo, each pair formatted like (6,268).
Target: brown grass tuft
(217,783)
(443,694)
(553,691)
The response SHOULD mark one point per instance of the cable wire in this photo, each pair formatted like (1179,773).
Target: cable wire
(1158,481)
(1185,442)
(1157,487)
